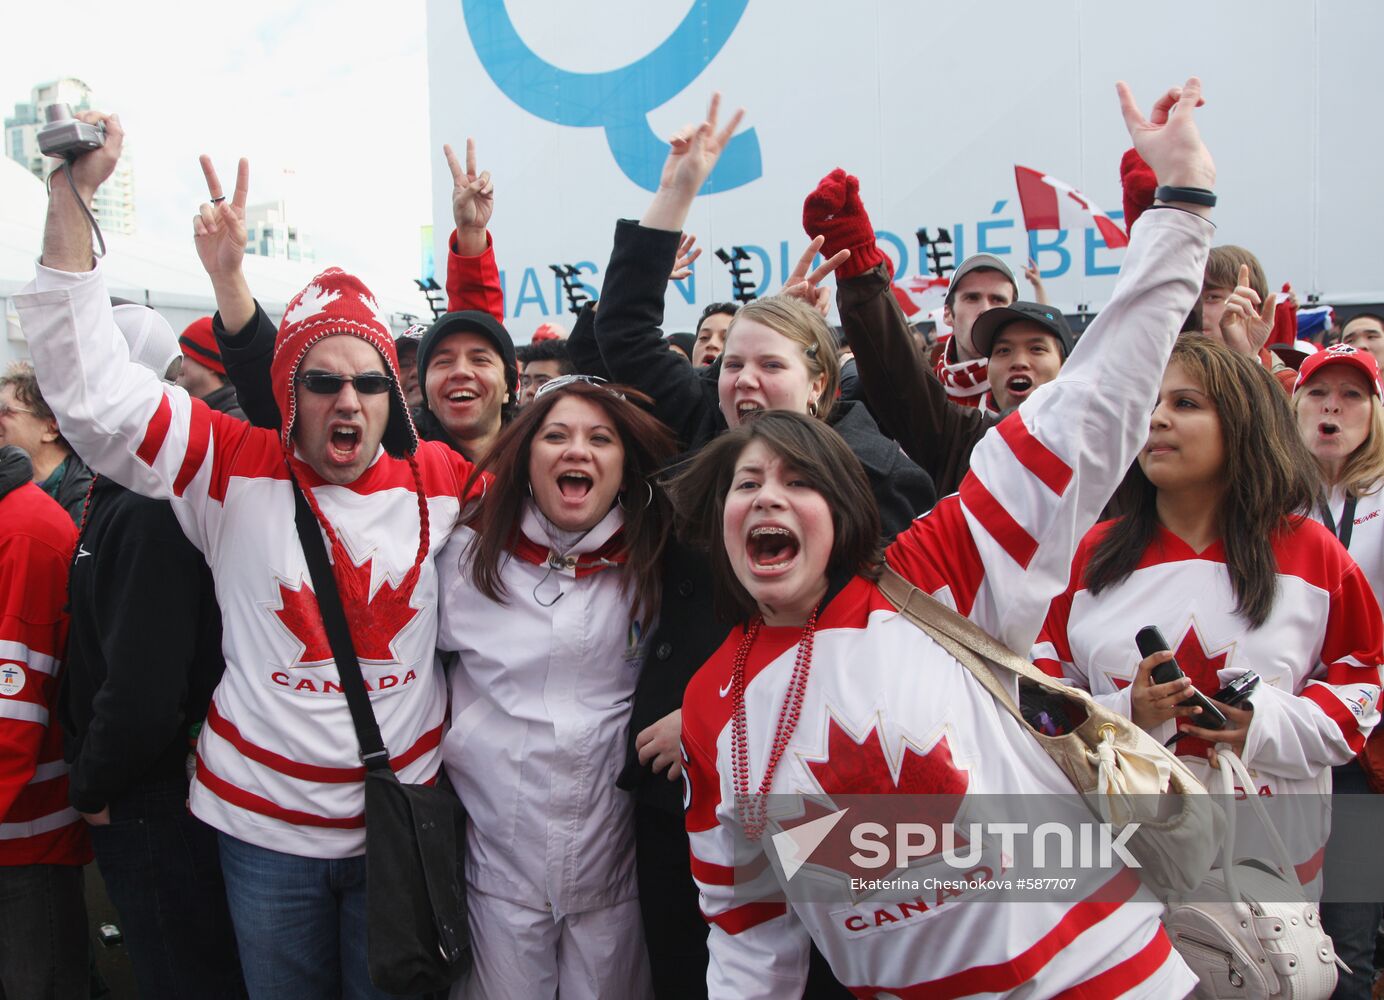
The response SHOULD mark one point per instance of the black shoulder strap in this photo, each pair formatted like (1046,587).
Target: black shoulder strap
(372,750)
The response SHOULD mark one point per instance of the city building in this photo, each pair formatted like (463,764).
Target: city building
(269,233)
(114,207)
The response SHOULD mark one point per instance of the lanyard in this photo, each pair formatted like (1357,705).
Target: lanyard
(1347,521)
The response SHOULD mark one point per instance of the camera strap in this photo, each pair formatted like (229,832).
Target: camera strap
(372,749)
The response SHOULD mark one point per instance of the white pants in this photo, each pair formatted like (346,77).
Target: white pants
(525,954)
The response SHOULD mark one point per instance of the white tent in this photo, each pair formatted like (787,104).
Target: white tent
(164,275)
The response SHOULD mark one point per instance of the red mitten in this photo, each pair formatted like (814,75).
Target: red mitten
(834,211)
(1284,319)
(1138,184)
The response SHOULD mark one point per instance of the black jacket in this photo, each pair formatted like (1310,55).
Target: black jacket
(247,355)
(143,651)
(15,469)
(901,388)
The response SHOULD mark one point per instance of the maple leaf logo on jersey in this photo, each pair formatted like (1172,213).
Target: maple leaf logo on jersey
(926,788)
(860,767)
(374,627)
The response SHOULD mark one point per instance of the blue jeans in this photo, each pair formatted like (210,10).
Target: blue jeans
(300,923)
(162,872)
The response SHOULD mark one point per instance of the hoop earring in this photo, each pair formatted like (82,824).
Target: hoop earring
(812,408)
(620,499)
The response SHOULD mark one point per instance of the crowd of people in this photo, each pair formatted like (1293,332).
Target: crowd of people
(615,589)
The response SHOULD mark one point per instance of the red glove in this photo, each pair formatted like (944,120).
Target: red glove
(1138,184)
(834,211)
(1284,319)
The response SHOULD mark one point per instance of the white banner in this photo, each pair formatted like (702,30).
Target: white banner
(930,104)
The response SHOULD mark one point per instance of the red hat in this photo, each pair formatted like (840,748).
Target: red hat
(199,343)
(1137,185)
(1340,354)
(337,303)
(548,331)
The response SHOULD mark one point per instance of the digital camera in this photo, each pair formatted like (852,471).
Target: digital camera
(65,137)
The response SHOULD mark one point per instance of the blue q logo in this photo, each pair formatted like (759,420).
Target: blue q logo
(620,99)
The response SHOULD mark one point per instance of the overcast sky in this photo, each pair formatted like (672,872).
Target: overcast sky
(335,93)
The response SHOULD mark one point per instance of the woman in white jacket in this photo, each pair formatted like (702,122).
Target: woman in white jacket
(1339,415)
(545,599)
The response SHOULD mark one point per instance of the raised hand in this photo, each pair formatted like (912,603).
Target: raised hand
(473,200)
(218,228)
(804,281)
(1247,322)
(694,150)
(1035,278)
(91,170)
(1168,139)
(682,266)
(692,154)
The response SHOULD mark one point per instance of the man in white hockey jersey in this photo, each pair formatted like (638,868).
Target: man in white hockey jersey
(278,772)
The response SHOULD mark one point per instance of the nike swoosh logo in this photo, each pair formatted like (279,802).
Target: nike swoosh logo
(726,689)
(81,551)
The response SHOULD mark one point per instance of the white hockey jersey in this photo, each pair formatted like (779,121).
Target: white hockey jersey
(542,688)
(1318,658)
(277,761)
(881,695)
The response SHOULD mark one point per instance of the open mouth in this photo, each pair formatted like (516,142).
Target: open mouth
(771,548)
(747,409)
(461,396)
(574,485)
(1327,429)
(344,443)
(1019,385)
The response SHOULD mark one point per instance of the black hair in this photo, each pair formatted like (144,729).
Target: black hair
(547,350)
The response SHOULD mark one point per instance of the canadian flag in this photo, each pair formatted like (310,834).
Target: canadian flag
(1052,204)
(921,294)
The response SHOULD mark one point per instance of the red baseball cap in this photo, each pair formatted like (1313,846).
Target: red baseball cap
(1340,354)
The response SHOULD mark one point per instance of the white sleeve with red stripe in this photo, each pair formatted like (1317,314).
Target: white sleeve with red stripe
(1296,736)
(148,436)
(758,946)
(1039,479)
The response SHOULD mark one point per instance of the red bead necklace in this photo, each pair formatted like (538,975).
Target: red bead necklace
(751,808)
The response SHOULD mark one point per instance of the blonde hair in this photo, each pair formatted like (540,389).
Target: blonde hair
(1363,473)
(804,326)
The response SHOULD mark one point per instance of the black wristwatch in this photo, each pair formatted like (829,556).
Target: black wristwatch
(1191,196)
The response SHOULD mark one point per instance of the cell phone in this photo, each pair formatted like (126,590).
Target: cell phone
(1238,690)
(1150,640)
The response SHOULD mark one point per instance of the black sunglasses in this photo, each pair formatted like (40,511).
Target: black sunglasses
(329,383)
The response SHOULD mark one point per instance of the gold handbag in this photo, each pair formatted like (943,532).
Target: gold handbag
(1123,774)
